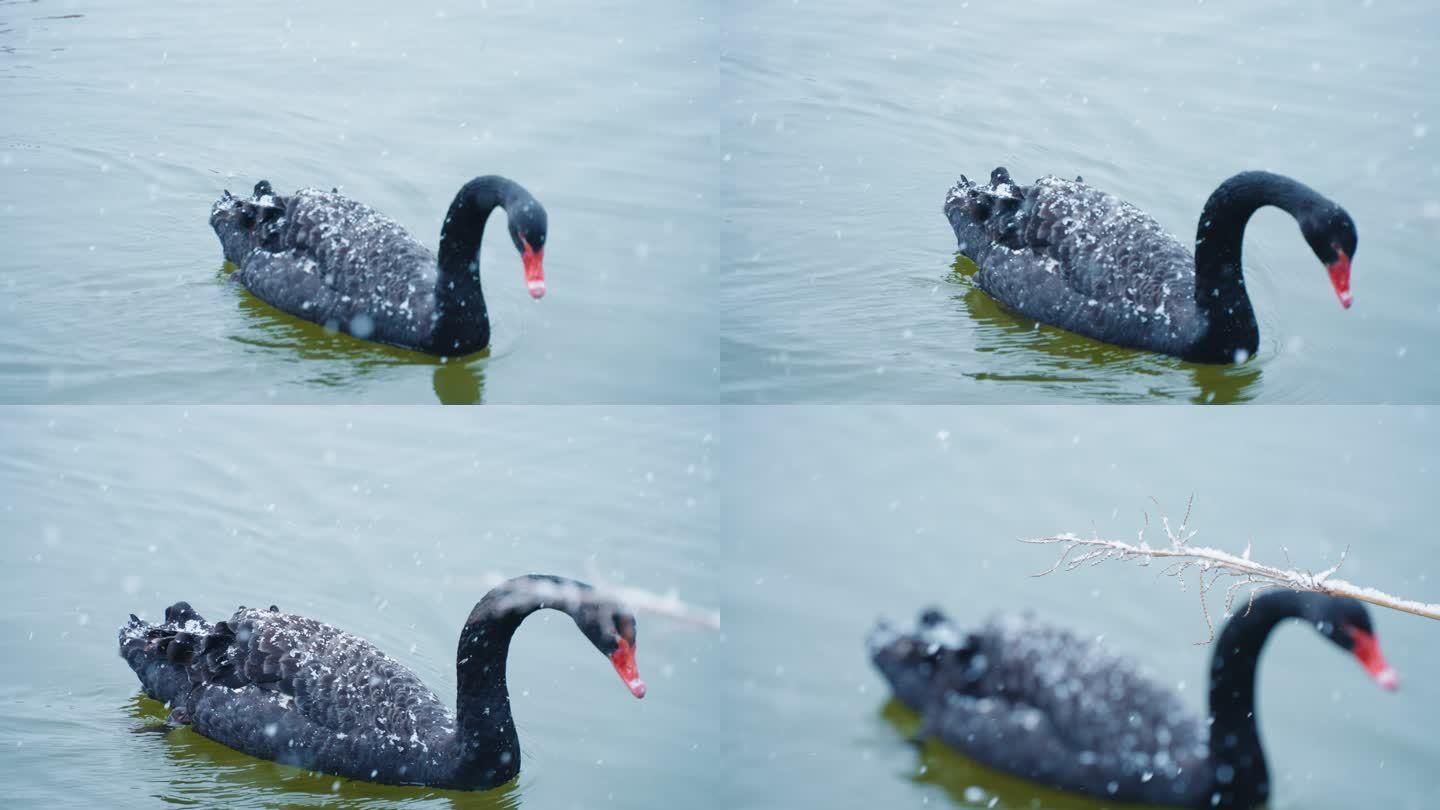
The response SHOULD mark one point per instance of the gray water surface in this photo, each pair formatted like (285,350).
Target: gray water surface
(121,124)
(838,516)
(383,522)
(744,200)
(847,121)
(801,524)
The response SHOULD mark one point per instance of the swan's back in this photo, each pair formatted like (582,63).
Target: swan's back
(1037,701)
(1065,253)
(329,259)
(362,247)
(1097,699)
(292,689)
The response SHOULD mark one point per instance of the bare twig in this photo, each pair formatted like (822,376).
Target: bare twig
(1212,564)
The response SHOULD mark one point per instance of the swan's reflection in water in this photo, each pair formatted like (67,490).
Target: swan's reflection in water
(459,383)
(348,361)
(203,772)
(970,784)
(1038,354)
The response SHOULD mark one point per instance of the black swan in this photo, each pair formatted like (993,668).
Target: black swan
(1064,253)
(326,258)
(1041,703)
(301,692)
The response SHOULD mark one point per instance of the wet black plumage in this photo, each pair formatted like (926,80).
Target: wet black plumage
(1039,702)
(329,259)
(301,692)
(1065,253)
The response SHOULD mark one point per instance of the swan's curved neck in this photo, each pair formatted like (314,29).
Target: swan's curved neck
(460,300)
(1236,757)
(489,745)
(1219,273)
(465,222)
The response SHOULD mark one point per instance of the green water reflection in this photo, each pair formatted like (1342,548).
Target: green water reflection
(204,771)
(345,361)
(1068,358)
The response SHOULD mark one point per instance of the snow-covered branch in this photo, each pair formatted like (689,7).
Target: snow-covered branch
(1212,565)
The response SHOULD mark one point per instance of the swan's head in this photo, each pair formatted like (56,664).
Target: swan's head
(528,226)
(245,223)
(1331,234)
(1346,623)
(913,661)
(611,629)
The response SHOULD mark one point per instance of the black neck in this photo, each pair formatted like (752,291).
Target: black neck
(489,745)
(1234,735)
(464,324)
(1219,275)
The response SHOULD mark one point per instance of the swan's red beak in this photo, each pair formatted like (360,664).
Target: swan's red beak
(1340,278)
(624,660)
(1367,649)
(535,271)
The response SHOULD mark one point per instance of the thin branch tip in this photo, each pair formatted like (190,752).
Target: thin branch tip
(1181,556)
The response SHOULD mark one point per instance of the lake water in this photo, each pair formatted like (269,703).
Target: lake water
(845,123)
(837,516)
(745,199)
(801,524)
(385,523)
(747,269)
(122,124)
